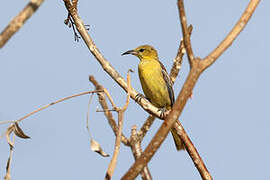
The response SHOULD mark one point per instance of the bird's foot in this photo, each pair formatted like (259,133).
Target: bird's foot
(139,97)
(164,112)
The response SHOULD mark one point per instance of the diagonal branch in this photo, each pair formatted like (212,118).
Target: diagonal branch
(227,42)
(17,22)
(176,67)
(147,106)
(107,113)
(197,67)
(165,127)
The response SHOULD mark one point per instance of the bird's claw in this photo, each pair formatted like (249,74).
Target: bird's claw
(139,97)
(163,112)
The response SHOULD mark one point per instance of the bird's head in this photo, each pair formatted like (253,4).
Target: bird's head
(144,52)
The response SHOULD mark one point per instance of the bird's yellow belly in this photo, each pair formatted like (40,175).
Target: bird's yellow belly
(153,84)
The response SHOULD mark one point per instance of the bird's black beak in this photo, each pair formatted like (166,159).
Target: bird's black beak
(130,52)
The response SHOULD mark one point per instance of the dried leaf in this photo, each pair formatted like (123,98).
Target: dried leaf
(95,146)
(9,130)
(19,132)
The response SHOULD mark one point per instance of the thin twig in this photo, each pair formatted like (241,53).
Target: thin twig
(121,111)
(146,126)
(177,62)
(110,98)
(113,161)
(17,22)
(112,110)
(55,102)
(186,35)
(107,113)
(88,115)
(227,42)
(6,122)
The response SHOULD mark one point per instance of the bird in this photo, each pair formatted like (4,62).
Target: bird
(156,83)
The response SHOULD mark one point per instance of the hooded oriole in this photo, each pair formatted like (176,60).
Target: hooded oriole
(155,82)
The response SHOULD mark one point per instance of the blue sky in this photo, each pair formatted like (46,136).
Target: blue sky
(227,118)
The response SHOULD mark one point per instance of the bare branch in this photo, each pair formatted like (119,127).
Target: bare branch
(137,151)
(186,34)
(165,127)
(192,151)
(121,111)
(227,42)
(177,62)
(129,90)
(17,22)
(55,102)
(107,113)
(196,69)
(104,62)
(145,127)
(110,98)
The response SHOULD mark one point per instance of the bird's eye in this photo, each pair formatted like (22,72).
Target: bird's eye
(141,50)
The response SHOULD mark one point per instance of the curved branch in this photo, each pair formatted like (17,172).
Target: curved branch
(55,102)
(227,42)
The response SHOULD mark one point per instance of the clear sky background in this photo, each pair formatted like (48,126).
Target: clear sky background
(227,118)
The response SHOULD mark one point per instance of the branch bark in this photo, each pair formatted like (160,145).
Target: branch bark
(17,22)
(107,113)
(135,142)
(197,67)
(120,112)
(104,62)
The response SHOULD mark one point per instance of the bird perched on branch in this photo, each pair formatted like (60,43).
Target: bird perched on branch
(155,82)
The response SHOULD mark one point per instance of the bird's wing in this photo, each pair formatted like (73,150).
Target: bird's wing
(168,83)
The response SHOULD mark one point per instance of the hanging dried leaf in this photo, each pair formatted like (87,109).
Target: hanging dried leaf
(95,146)
(11,145)
(19,132)
(9,130)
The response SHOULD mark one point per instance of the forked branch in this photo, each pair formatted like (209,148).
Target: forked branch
(197,67)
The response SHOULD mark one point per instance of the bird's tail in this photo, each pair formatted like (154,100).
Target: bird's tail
(177,140)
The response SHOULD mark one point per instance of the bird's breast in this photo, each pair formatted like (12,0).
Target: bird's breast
(153,83)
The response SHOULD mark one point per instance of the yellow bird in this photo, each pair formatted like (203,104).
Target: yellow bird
(155,82)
